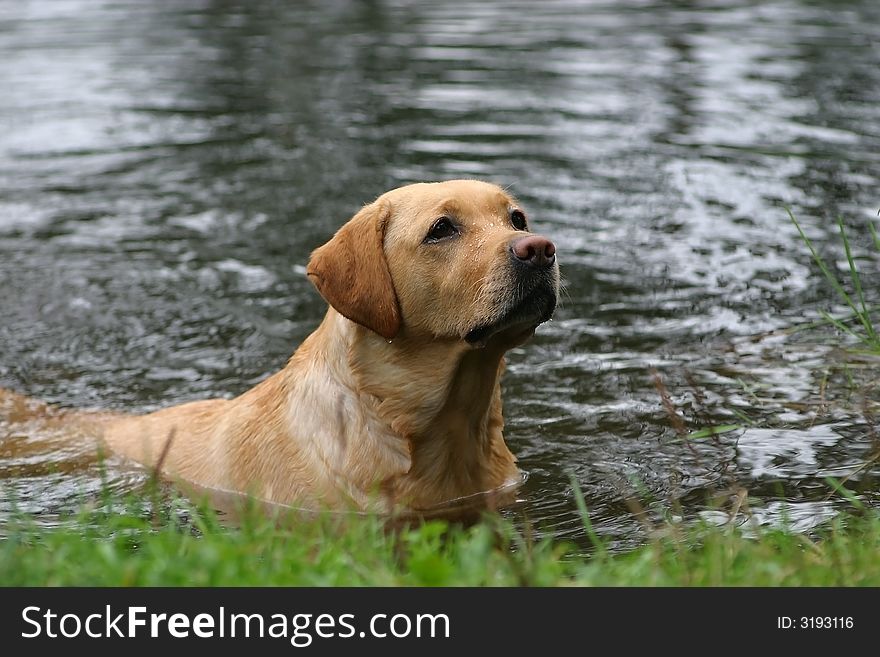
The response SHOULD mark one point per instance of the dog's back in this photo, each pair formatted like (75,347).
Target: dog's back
(29,427)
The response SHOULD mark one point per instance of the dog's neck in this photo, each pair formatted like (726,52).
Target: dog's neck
(438,401)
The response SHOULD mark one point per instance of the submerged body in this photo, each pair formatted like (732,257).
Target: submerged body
(394,402)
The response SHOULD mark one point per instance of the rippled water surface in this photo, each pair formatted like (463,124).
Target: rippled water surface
(166,168)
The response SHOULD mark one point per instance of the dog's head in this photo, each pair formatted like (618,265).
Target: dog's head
(450,260)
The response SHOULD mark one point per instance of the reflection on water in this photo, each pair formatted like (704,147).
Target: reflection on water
(166,168)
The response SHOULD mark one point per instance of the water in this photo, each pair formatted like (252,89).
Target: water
(166,168)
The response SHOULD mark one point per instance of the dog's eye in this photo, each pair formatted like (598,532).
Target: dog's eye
(518,219)
(442,229)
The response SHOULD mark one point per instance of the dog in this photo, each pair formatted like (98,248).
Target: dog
(394,401)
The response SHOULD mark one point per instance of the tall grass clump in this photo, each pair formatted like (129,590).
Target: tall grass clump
(133,545)
(856,301)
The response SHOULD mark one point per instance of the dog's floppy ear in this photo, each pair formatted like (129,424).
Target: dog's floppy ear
(351,273)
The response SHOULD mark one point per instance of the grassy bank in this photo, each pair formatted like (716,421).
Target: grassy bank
(132,548)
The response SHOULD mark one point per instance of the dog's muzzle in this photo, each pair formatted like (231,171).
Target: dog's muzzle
(535,276)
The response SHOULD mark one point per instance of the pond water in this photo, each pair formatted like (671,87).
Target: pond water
(166,168)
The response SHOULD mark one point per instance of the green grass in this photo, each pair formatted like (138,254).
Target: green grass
(861,312)
(131,548)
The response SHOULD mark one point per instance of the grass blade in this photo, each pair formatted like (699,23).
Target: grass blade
(708,432)
(819,261)
(860,311)
(601,550)
(874,235)
(843,327)
(856,281)
(845,492)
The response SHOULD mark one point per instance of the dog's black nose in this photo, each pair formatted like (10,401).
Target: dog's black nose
(534,250)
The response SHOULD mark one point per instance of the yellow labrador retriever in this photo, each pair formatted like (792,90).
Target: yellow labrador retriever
(394,402)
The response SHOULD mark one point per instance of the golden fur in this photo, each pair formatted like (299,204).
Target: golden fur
(390,403)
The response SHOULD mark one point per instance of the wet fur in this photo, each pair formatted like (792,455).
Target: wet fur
(386,405)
